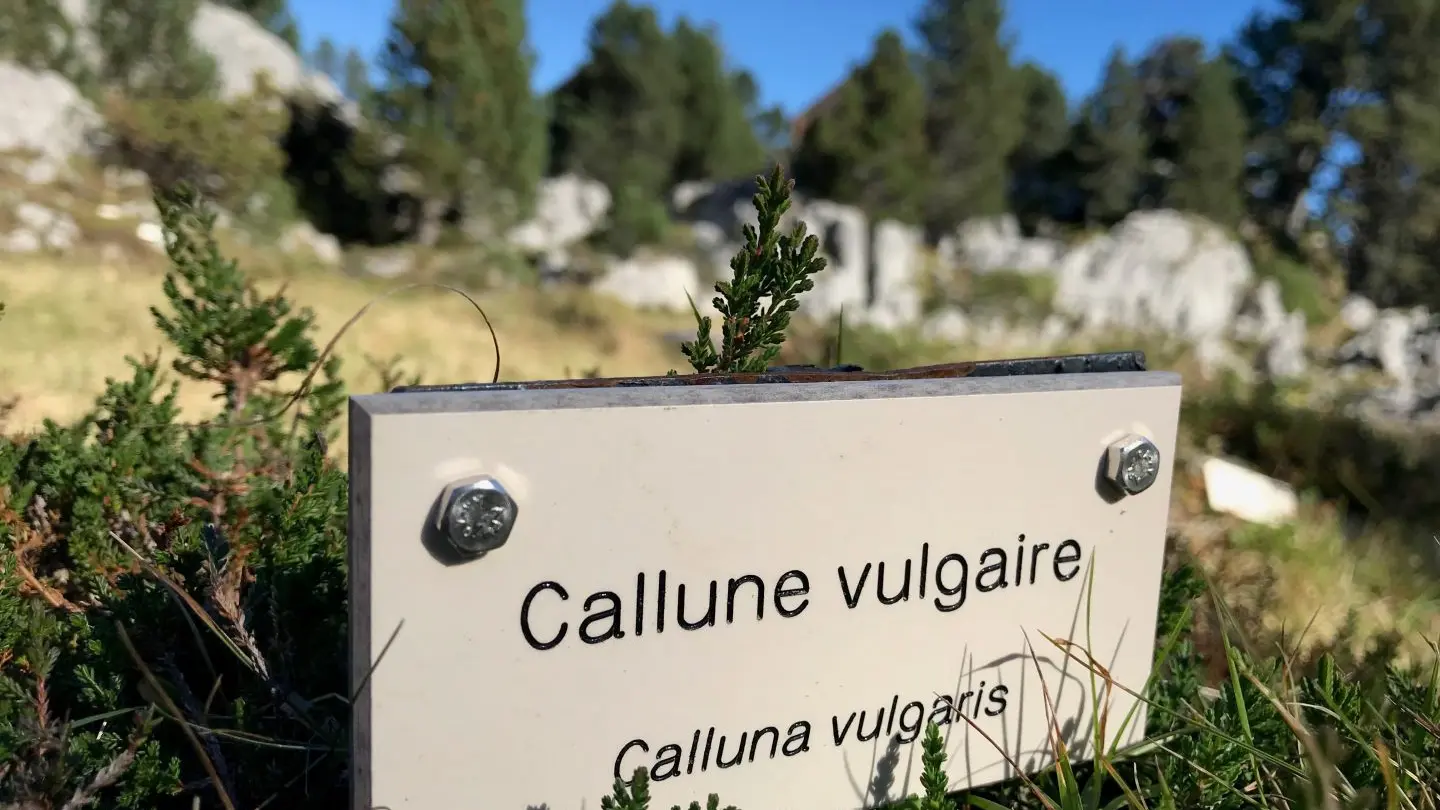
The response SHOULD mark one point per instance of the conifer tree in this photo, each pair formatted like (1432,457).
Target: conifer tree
(457,91)
(869,148)
(1111,145)
(1046,132)
(1168,73)
(1300,69)
(718,138)
(1210,164)
(619,120)
(355,82)
(1394,188)
(976,108)
(28,36)
(769,123)
(146,50)
(325,58)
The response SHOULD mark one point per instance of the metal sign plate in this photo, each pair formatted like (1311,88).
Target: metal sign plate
(762,591)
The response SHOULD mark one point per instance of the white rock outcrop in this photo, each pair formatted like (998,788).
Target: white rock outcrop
(1157,270)
(242,49)
(568,208)
(1232,489)
(240,46)
(653,281)
(43,114)
(996,243)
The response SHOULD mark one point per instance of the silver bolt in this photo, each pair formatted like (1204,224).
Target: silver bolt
(476,514)
(1132,463)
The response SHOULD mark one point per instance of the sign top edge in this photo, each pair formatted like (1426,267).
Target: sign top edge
(461,400)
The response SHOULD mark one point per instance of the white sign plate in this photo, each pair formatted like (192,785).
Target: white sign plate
(762,591)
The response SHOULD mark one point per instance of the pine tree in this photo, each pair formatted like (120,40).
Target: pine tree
(325,58)
(1299,69)
(1036,190)
(1210,166)
(28,36)
(146,50)
(619,120)
(458,93)
(869,147)
(976,108)
(1395,185)
(718,140)
(355,78)
(1111,146)
(1168,74)
(769,123)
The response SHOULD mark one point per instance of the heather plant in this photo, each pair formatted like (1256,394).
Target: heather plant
(768,275)
(172,620)
(173,595)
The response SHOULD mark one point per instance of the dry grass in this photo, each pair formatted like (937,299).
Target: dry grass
(68,326)
(1313,584)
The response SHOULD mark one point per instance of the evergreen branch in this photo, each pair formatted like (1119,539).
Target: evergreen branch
(769,274)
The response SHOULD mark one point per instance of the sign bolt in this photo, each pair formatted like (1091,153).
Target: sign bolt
(1132,463)
(476,515)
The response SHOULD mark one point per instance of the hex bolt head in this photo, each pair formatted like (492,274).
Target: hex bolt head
(1132,463)
(476,515)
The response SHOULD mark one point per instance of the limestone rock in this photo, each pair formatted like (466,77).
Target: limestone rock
(1235,490)
(1158,270)
(40,228)
(1284,355)
(568,209)
(387,263)
(893,298)
(996,243)
(1358,313)
(653,281)
(242,48)
(948,325)
(44,115)
(844,240)
(1262,314)
(303,237)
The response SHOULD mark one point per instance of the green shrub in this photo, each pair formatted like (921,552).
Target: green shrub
(1372,471)
(173,596)
(1301,287)
(152,569)
(38,35)
(229,148)
(1012,290)
(636,219)
(1008,293)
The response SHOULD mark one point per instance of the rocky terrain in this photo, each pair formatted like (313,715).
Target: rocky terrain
(1158,272)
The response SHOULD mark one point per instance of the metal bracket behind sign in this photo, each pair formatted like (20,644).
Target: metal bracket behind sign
(1098,363)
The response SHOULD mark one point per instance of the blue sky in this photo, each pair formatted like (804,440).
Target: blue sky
(799,48)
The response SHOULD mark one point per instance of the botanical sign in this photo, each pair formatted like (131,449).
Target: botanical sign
(763,591)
